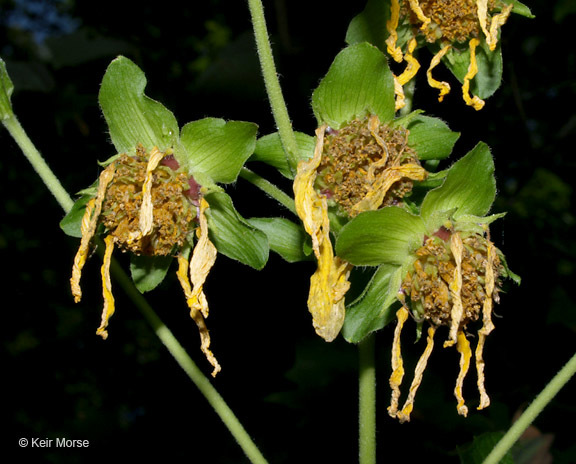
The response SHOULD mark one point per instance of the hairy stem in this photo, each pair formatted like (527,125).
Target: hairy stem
(160,329)
(367,402)
(528,416)
(33,155)
(269,188)
(273,89)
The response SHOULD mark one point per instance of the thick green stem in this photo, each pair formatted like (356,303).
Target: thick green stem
(279,110)
(162,332)
(367,403)
(269,188)
(50,180)
(528,416)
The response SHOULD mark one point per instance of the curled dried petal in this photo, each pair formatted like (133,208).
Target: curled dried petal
(106,287)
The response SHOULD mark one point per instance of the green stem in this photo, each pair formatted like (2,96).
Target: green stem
(162,332)
(528,416)
(33,155)
(269,188)
(367,403)
(279,110)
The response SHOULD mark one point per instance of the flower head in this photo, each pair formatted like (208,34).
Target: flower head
(440,266)
(448,25)
(159,197)
(363,160)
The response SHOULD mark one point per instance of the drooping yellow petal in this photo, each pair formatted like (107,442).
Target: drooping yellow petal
(455,286)
(397,363)
(329,284)
(203,258)
(88,228)
(498,20)
(195,313)
(463,347)
(488,326)
(106,287)
(146,210)
(392,26)
(404,415)
(415,7)
(473,101)
(408,74)
(444,87)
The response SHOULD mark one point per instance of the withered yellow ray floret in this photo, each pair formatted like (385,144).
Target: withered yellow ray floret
(415,6)
(457,248)
(195,312)
(146,211)
(473,101)
(404,415)
(397,363)
(488,326)
(406,76)
(106,287)
(392,26)
(463,347)
(496,22)
(444,87)
(88,228)
(329,283)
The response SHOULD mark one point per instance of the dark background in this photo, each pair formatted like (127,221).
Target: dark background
(296,395)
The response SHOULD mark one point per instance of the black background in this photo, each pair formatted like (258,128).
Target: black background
(296,395)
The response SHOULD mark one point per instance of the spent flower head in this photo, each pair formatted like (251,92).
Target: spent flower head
(463,34)
(440,266)
(159,199)
(363,160)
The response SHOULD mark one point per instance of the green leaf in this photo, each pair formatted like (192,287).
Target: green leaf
(269,150)
(357,84)
(149,271)
(216,148)
(71,223)
(522,10)
(469,187)
(6,89)
(490,67)
(370,25)
(233,235)
(430,137)
(132,117)
(373,309)
(285,238)
(387,235)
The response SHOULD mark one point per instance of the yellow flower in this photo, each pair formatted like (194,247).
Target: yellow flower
(452,282)
(360,167)
(150,209)
(447,25)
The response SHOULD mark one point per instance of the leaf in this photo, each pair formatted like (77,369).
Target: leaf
(430,137)
(6,89)
(480,448)
(521,9)
(490,66)
(149,271)
(269,150)
(373,309)
(387,235)
(132,117)
(285,238)
(71,223)
(370,25)
(357,84)
(232,235)
(469,187)
(216,148)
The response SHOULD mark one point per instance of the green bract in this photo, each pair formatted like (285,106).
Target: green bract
(210,150)
(6,89)
(389,237)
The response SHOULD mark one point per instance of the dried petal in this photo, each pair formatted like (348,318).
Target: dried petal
(106,287)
